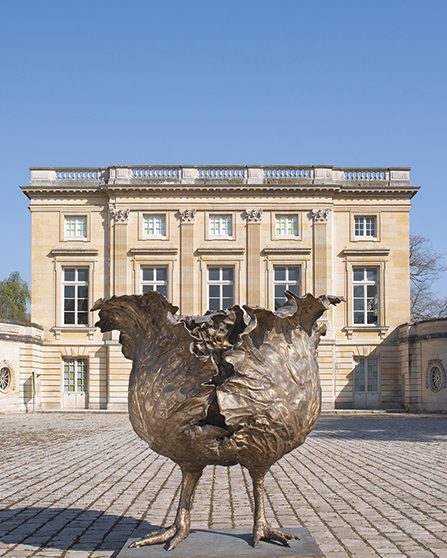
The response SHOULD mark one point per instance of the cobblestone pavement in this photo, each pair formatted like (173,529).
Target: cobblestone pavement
(80,485)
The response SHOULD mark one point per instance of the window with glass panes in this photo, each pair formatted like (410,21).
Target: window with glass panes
(221,225)
(154,279)
(75,374)
(220,287)
(75,227)
(366,375)
(365,287)
(154,225)
(285,278)
(365,226)
(286,225)
(75,292)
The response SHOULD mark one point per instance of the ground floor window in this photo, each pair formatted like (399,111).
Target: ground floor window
(154,279)
(366,383)
(75,375)
(220,287)
(285,278)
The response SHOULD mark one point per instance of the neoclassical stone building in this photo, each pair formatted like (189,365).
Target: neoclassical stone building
(210,237)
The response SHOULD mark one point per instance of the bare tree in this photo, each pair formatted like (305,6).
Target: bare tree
(426,266)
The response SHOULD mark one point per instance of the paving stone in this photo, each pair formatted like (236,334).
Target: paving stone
(81,485)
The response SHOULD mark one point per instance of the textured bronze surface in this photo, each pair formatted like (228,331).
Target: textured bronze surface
(225,388)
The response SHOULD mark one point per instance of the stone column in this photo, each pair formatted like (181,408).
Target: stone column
(253,259)
(187,219)
(321,253)
(120,220)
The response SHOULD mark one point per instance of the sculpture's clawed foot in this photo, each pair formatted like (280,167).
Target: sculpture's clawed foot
(171,536)
(264,532)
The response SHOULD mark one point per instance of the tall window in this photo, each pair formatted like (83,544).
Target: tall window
(75,227)
(285,278)
(221,226)
(154,279)
(286,225)
(220,288)
(154,226)
(75,290)
(366,375)
(365,226)
(75,374)
(365,285)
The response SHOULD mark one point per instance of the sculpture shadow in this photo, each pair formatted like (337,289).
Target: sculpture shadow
(69,528)
(77,529)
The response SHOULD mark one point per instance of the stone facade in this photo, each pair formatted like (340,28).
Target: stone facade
(103,232)
(20,366)
(423,365)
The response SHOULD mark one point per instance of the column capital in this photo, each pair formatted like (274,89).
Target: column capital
(253,215)
(320,215)
(186,216)
(120,215)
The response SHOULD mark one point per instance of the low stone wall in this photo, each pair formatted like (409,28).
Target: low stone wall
(424,365)
(15,372)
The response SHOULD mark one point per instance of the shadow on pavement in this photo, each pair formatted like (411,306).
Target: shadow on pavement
(68,528)
(401,428)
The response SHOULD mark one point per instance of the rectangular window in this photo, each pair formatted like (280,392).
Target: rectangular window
(366,375)
(220,288)
(75,292)
(75,227)
(285,278)
(154,279)
(365,226)
(154,226)
(365,287)
(75,375)
(286,225)
(221,226)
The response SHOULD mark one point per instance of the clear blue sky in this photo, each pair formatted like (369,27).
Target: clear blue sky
(337,82)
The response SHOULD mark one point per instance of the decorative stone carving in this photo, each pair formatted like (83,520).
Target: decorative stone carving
(320,215)
(253,215)
(435,375)
(187,215)
(120,215)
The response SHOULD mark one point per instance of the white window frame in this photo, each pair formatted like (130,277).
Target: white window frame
(154,283)
(286,282)
(367,224)
(80,370)
(76,218)
(219,231)
(75,284)
(291,228)
(220,283)
(162,226)
(365,283)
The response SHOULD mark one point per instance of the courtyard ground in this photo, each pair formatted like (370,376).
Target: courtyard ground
(78,485)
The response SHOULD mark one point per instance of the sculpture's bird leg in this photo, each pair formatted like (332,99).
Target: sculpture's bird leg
(179,530)
(261,528)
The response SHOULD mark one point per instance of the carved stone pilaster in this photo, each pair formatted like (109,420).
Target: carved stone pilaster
(187,216)
(253,215)
(120,215)
(320,215)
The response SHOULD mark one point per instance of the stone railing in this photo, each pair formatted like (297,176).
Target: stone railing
(92,177)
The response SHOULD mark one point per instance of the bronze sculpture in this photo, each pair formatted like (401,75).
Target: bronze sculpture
(221,389)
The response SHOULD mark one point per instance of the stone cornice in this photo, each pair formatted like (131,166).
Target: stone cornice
(289,250)
(205,251)
(150,250)
(74,252)
(365,251)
